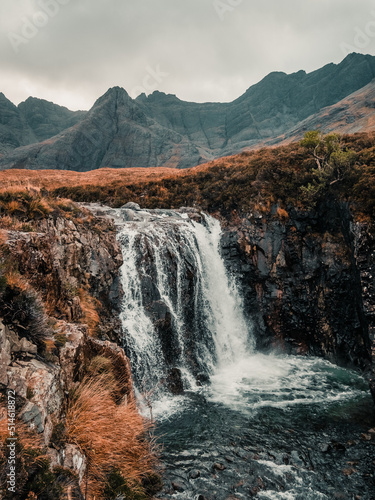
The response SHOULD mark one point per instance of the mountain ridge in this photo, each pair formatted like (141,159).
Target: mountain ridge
(162,130)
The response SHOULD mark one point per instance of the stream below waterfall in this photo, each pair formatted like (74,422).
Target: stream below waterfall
(245,424)
(272,428)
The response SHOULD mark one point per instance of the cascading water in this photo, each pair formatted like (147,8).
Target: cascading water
(172,265)
(267,426)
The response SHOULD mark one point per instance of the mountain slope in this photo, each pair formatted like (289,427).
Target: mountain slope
(115,132)
(355,113)
(47,119)
(14,130)
(162,130)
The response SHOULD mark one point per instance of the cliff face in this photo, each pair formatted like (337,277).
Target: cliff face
(61,298)
(307,281)
(74,265)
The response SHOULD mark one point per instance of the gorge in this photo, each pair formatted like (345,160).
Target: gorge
(236,425)
(242,324)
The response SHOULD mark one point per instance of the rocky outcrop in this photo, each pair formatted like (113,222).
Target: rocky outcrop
(71,263)
(307,281)
(42,386)
(364,253)
(162,130)
(68,270)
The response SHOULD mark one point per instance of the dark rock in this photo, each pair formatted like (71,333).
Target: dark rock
(325,447)
(202,378)
(174,381)
(299,295)
(194,474)
(218,466)
(178,487)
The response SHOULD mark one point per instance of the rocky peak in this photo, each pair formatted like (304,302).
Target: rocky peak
(114,94)
(162,130)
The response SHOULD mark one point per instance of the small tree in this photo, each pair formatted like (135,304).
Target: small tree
(332,160)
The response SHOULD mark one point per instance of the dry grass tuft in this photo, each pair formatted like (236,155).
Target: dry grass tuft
(282,214)
(113,437)
(15,280)
(89,306)
(3,237)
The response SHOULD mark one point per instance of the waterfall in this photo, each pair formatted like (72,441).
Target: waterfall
(180,308)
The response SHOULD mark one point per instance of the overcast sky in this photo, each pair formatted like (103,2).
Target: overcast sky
(72,51)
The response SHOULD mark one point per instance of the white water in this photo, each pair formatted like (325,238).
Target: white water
(156,250)
(232,336)
(260,380)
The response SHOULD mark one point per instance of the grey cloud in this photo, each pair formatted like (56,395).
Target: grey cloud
(206,50)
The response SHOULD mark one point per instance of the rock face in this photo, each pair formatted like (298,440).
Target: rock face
(307,282)
(74,269)
(66,261)
(162,130)
(41,386)
(14,130)
(47,119)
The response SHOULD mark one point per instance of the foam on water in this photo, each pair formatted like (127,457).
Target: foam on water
(282,381)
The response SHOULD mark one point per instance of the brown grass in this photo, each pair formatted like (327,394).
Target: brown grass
(89,306)
(15,280)
(111,436)
(34,180)
(3,237)
(282,214)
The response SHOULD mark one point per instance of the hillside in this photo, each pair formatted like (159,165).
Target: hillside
(162,130)
(253,181)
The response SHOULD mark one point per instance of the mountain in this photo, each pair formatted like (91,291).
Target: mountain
(355,113)
(32,121)
(47,119)
(163,130)
(14,130)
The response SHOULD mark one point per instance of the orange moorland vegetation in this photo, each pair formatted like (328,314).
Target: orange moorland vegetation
(17,179)
(112,435)
(286,176)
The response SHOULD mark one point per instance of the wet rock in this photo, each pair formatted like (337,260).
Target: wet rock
(194,474)
(309,277)
(325,447)
(202,378)
(132,206)
(178,486)
(218,466)
(174,381)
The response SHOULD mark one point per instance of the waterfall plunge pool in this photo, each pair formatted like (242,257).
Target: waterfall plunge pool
(270,427)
